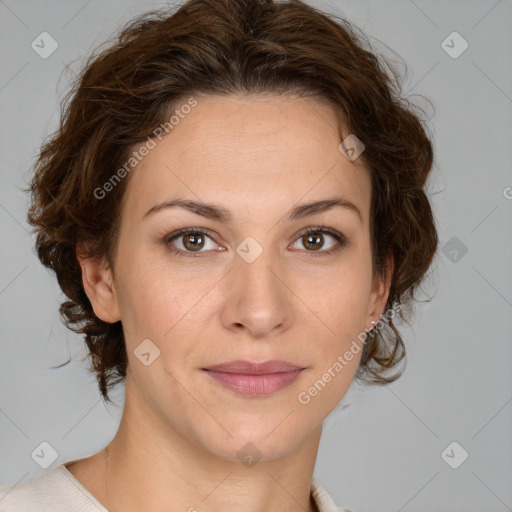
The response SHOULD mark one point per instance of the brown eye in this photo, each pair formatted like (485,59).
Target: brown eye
(313,240)
(189,241)
(193,242)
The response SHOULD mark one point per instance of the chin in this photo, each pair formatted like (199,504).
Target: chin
(248,443)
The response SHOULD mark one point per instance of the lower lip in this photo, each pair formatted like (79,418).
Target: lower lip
(255,385)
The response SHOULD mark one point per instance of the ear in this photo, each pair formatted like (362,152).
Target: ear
(98,284)
(379,294)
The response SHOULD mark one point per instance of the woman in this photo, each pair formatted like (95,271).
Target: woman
(234,206)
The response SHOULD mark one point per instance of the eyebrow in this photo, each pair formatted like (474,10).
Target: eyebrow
(216,212)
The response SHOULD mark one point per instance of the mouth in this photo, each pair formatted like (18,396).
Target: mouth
(255,379)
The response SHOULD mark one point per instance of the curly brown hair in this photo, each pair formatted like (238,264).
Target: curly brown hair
(225,47)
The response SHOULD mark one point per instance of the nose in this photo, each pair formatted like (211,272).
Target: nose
(256,297)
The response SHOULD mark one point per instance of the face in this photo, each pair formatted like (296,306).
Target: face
(253,285)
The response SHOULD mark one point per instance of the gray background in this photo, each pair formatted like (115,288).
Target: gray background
(383,451)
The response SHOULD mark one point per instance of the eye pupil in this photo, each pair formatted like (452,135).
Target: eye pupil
(193,239)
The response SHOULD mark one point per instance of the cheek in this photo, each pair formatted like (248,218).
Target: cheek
(340,307)
(340,299)
(147,296)
(162,303)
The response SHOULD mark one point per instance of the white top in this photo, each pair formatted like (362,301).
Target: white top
(57,490)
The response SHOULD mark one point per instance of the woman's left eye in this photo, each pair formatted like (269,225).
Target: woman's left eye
(312,238)
(193,240)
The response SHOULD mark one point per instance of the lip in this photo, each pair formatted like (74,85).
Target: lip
(255,379)
(250,368)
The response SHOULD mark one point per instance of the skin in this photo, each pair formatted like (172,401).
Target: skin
(258,156)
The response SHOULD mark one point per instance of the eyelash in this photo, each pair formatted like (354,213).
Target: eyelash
(342,241)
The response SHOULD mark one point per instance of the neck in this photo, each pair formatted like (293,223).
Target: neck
(151,466)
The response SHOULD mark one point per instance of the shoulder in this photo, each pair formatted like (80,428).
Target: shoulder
(323,500)
(53,490)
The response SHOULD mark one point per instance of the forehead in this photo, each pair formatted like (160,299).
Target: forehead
(253,154)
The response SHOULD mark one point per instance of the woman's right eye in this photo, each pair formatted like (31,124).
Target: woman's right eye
(186,242)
